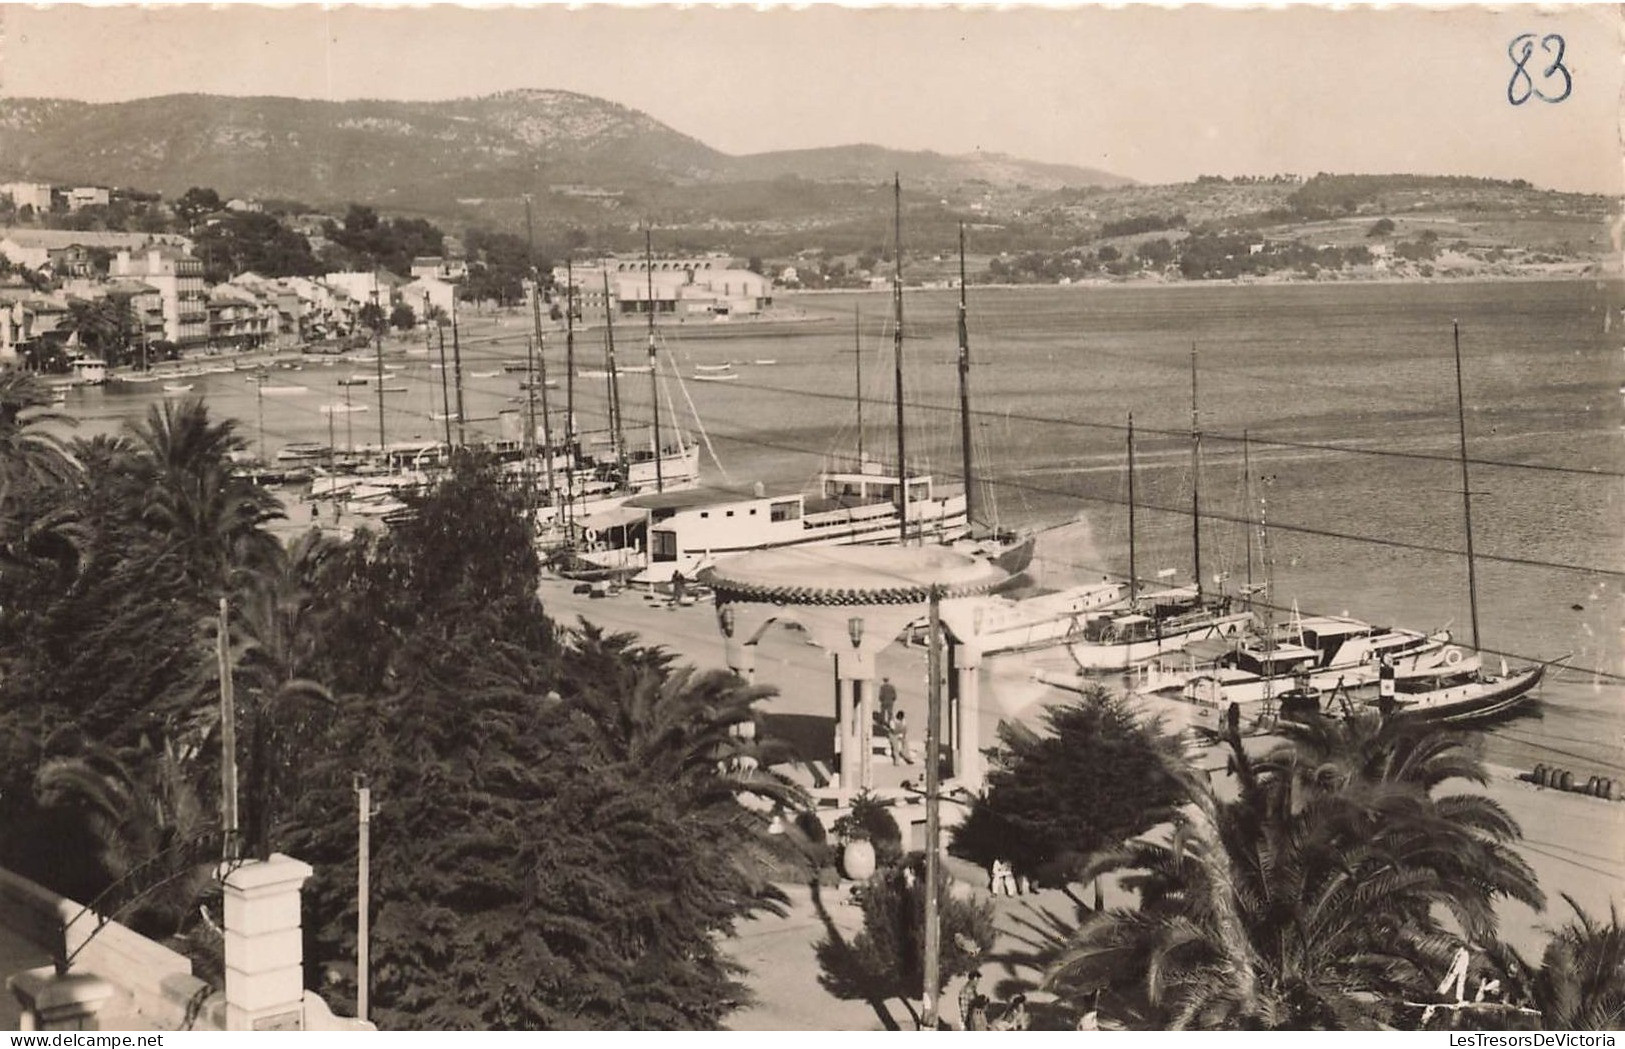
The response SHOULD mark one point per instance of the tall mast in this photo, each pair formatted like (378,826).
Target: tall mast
(654,366)
(457,375)
(445,392)
(1247,497)
(964,392)
(1466,488)
(897,347)
(569,387)
(378,353)
(1133,572)
(617,438)
(857,353)
(539,372)
(1196,482)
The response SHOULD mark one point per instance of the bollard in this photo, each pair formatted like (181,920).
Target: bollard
(1539,778)
(1605,790)
(1565,780)
(1590,789)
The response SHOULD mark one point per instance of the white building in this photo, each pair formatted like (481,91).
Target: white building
(36,195)
(178,276)
(439,293)
(88,196)
(683,287)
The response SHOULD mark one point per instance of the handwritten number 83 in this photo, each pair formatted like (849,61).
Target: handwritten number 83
(1521,88)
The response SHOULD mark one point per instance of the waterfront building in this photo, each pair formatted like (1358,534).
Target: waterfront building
(439,292)
(178,276)
(686,287)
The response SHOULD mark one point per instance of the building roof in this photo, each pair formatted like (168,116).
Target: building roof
(851,575)
(56,239)
(693,498)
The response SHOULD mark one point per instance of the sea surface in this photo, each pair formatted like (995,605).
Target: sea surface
(1345,393)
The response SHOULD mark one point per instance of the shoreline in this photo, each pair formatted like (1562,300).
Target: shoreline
(1140,283)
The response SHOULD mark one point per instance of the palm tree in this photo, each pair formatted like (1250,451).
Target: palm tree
(1311,900)
(213,518)
(32,451)
(275,672)
(690,728)
(1580,985)
(148,821)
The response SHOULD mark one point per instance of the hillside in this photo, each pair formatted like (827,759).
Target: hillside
(427,156)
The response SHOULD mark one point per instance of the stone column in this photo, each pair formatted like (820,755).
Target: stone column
(59,1003)
(842,686)
(264,946)
(967,754)
(863,712)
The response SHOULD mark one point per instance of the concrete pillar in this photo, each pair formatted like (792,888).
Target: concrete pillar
(264,946)
(59,1003)
(852,738)
(863,711)
(842,689)
(968,716)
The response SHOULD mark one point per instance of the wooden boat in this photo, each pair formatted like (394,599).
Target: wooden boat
(355,380)
(1463,693)
(282,391)
(720,377)
(177,387)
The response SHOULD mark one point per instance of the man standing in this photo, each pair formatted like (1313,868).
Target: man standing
(888,701)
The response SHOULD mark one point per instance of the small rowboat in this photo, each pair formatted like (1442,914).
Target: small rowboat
(177,387)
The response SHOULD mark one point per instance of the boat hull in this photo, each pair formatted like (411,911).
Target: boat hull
(1121,655)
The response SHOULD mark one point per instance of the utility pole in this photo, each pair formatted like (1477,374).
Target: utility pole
(228,737)
(457,374)
(332,454)
(259,409)
(363,877)
(654,365)
(932,966)
(378,347)
(349,425)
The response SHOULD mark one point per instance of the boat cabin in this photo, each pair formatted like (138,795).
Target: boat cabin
(89,371)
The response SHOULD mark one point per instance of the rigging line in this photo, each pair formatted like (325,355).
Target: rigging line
(1521,741)
(699,424)
(1565,859)
(1324,533)
(1216,435)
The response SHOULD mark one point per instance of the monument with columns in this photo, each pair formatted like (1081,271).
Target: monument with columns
(854,601)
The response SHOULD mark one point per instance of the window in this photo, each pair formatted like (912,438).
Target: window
(663,545)
(730,513)
(788,510)
(705,513)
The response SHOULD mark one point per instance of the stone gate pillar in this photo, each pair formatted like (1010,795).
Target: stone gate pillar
(264,945)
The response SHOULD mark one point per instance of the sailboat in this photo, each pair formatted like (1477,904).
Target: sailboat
(1461,690)
(1009,550)
(864,503)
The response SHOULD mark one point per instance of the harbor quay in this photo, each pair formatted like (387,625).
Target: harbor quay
(1566,837)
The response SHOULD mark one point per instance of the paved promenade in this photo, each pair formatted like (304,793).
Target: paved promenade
(1575,844)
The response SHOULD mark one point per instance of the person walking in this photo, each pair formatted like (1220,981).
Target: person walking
(899,739)
(888,700)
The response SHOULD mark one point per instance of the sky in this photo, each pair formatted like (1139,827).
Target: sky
(1154,94)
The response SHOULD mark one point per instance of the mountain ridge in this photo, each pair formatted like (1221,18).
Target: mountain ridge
(427,154)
